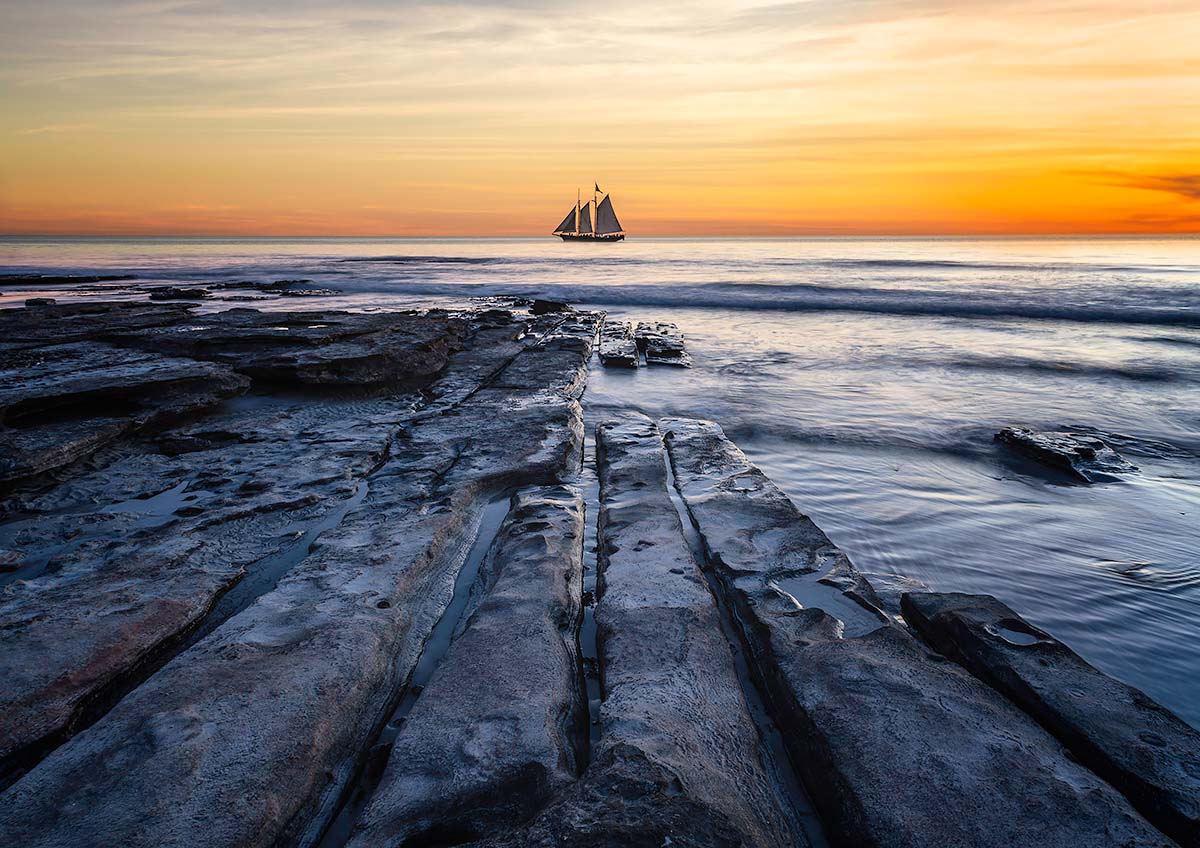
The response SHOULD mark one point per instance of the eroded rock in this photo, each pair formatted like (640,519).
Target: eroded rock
(896,746)
(1086,457)
(60,403)
(250,736)
(617,346)
(179,293)
(1140,747)
(495,732)
(673,703)
(336,349)
(662,343)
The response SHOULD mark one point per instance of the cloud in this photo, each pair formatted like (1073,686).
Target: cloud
(1186,186)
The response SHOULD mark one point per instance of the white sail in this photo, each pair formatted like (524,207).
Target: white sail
(585,219)
(606,218)
(568,223)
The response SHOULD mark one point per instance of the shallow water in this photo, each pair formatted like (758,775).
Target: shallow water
(867,378)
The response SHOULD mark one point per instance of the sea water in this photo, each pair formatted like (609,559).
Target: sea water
(866,377)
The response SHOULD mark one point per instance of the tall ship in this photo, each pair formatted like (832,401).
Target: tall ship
(579,226)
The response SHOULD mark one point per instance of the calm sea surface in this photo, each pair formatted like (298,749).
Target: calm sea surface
(867,378)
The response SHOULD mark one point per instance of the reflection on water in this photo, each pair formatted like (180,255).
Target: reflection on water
(867,378)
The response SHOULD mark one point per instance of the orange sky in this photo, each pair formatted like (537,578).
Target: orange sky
(388,117)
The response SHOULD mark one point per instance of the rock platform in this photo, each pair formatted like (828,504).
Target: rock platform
(316,578)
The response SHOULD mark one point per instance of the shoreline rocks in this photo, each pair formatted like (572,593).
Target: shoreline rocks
(495,732)
(661,343)
(671,691)
(1142,749)
(1087,458)
(897,746)
(252,734)
(618,349)
(263,598)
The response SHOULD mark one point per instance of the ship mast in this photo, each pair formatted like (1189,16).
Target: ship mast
(578,196)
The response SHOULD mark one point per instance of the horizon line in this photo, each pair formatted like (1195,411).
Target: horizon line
(864,235)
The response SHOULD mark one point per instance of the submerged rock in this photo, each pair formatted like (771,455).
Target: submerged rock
(496,731)
(1138,746)
(1086,457)
(896,746)
(179,293)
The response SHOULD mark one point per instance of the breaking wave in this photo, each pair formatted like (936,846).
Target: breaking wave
(1175,307)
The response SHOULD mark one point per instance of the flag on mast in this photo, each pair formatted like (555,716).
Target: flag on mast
(598,189)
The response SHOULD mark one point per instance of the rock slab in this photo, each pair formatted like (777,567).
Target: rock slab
(1138,746)
(662,343)
(671,690)
(617,346)
(496,730)
(896,745)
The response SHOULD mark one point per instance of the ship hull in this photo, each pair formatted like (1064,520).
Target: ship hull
(590,237)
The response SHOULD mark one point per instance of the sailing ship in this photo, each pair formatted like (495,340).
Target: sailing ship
(578,226)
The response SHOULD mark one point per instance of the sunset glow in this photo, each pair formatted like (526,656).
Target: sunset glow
(404,118)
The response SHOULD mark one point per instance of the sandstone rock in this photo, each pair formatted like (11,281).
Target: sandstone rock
(542,307)
(662,344)
(60,403)
(617,346)
(1086,457)
(122,563)
(1138,746)
(251,735)
(897,746)
(69,322)
(672,693)
(336,349)
(495,732)
(178,293)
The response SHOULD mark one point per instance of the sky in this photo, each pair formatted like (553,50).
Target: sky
(817,117)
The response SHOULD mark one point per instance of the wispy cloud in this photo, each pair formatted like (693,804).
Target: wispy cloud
(1186,185)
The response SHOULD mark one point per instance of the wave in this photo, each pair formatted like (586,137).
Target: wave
(603,260)
(1181,307)
(431,260)
(1017,364)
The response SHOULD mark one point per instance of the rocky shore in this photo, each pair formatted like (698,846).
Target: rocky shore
(318,578)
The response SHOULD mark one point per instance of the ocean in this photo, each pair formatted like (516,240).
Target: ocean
(867,378)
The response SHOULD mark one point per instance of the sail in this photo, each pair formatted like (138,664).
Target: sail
(606,218)
(585,219)
(568,223)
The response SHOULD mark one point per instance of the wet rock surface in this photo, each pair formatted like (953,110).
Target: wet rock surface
(618,349)
(447,450)
(1144,750)
(1085,457)
(59,403)
(662,343)
(496,731)
(266,578)
(859,697)
(673,705)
